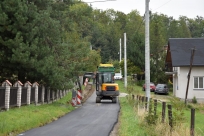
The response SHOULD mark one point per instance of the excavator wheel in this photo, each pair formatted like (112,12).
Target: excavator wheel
(114,100)
(98,99)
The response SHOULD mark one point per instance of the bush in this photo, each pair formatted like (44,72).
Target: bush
(140,82)
(151,117)
(194,100)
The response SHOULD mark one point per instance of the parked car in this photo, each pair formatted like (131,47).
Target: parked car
(161,89)
(118,76)
(152,87)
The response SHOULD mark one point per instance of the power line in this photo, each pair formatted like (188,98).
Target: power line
(100,1)
(162,5)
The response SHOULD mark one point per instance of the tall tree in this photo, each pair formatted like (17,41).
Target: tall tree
(135,39)
(157,50)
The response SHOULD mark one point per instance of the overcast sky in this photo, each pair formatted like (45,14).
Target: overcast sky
(175,8)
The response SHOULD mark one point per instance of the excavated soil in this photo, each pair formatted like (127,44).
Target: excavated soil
(87,92)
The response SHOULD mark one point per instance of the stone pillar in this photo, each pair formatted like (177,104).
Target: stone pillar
(43,94)
(64,92)
(8,85)
(36,91)
(60,93)
(19,92)
(57,94)
(48,95)
(53,95)
(28,85)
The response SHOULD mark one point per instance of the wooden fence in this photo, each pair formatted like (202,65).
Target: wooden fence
(25,94)
(152,106)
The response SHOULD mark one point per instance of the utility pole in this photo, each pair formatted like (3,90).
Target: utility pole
(189,73)
(147,51)
(120,56)
(125,62)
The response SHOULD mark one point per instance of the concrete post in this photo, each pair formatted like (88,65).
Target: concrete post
(8,85)
(28,85)
(48,95)
(19,92)
(36,91)
(43,94)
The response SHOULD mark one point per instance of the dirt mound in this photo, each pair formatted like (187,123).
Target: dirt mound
(87,92)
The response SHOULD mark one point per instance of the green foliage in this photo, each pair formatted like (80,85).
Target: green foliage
(131,68)
(196,26)
(135,40)
(140,82)
(151,118)
(129,121)
(194,100)
(49,41)
(178,108)
(37,47)
(157,50)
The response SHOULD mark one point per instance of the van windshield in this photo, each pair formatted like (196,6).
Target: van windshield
(117,74)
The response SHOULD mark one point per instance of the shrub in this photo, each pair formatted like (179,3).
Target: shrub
(151,117)
(178,111)
(140,82)
(194,100)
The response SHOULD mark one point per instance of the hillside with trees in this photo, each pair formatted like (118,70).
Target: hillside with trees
(50,41)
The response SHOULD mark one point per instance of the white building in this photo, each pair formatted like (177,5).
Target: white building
(178,60)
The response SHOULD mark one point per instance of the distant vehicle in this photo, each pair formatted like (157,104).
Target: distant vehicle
(161,89)
(152,87)
(118,76)
(105,86)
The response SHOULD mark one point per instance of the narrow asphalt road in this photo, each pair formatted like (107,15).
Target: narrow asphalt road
(91,119)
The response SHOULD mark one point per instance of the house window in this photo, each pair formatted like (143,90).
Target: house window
(198,82)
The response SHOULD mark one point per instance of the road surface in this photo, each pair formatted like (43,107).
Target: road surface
(91,119)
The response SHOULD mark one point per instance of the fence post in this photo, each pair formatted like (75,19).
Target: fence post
(43,94)
(163,111)
(8,85)
(146,102)
(155,107)
(192,122)
(170,116)
(133,97)
(28,85)
(19,92)
(36,92)
(48,95)
(143,101)
(150,105)
(139,99)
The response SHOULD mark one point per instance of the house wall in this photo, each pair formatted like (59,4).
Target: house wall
(175,81)
(180,92)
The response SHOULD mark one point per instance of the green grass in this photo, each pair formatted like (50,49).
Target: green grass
(129,122)
(18,120)
(132,124)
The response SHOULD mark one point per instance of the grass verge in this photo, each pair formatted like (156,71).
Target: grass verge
(129,122)
(18,120)
(133,117)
